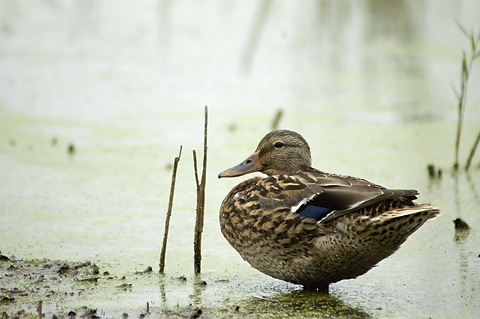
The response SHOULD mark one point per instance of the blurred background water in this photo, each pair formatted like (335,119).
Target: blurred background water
(368,84)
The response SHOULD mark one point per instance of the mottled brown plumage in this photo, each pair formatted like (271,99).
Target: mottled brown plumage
(308,227)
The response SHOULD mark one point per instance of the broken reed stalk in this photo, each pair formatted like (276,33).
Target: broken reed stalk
(197,241)
(169,213)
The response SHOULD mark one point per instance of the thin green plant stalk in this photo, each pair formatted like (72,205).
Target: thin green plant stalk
(462,96)
(472,152)
(461,108)
(277,119)
(475,55)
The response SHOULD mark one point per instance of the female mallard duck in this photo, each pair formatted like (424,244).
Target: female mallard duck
(313,228)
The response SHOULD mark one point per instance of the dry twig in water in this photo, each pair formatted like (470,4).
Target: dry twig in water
(169,213)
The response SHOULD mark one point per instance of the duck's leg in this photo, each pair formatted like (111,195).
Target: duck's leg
(323,288)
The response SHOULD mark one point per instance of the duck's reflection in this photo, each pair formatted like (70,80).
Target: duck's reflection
(298,304)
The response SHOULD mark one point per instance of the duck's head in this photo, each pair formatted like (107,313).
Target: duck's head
(279,152)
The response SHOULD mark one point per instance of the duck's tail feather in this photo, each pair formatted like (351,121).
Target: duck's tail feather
(396,225)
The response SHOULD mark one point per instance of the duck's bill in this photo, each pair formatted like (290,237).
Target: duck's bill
(250,165)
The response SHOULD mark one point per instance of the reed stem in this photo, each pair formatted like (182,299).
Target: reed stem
(197,241)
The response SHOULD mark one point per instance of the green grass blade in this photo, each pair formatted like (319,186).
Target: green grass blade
(462,29)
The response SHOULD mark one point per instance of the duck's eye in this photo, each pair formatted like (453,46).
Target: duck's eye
(278,145)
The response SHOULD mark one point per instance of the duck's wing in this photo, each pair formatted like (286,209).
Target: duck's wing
(337,201)
(322,196)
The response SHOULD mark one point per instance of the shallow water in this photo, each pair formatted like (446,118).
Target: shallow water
(367,83)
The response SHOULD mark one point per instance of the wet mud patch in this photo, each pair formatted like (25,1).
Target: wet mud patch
(54,289)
